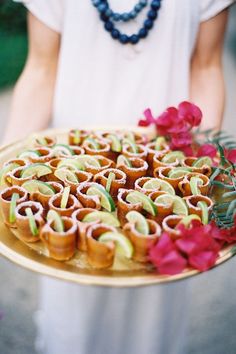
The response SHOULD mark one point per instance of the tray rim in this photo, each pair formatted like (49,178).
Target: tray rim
(99,280)
(88,279)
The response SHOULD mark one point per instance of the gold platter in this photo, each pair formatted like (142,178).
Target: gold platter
(34,256)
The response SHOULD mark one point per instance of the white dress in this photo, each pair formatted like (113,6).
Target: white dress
(101,82)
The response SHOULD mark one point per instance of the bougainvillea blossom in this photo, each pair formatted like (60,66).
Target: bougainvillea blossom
(166,257)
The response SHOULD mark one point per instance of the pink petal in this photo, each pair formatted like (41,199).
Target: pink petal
(143,123)
(178,128)
(231,155)
(203,260)
(148,115)
(207,150)
(191,113)
(167,117)
(181,139)
(187,150)
(166,257)
(172,263)
(186,245)
(164,245)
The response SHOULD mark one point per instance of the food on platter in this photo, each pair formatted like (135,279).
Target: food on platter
(104,195)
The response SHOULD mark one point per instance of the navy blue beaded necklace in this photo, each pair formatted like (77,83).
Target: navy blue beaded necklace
(126,16)
(108,16)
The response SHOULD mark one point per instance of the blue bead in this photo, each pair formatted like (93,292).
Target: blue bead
(152,14)
(138,7)
(133,14)
(115,33)
(96,2)
(124,39)
(143,32)
(109,26)
(148,24)
(155,5)
(125,17)
(143,2)
(102,7)
(116,17)
(108,13)
(134,39)
(103,17)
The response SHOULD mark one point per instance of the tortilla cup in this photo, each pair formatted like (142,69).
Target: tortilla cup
(61,245)
(139,169)
(189,161)
(22,221)
(192,202)
(116,184)
(88,201)
(141,154)
(5,201)
(123,207)
(184,185)
(142,243)
(169,225)
(100,255)
(82,227)
(54,203)
(104,164)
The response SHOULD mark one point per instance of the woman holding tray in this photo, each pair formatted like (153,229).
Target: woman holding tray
(101,63)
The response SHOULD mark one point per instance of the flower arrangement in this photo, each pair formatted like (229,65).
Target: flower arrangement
(199,245)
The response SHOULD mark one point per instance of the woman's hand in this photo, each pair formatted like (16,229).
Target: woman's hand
(207,81)
(33,94)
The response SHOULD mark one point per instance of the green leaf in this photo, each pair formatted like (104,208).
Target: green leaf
(229,194)
(231,146)
(222,185)
(216,173)
(231,208)
(220,216)
(221,135)
(233,251)
(227,142)
(223,159)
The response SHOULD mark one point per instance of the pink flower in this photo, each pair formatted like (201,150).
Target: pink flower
(190,113)
(231,155)
(187,150)
(203,260)
(181,140)
(199,245)
(149,119)
(176,124)
(166,257)
(174,120)
(169,122)
(207,150)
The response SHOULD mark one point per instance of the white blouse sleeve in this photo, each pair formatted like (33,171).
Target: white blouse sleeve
(50,12)
(210,8)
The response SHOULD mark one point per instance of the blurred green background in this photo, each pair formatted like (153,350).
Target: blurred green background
(13,41)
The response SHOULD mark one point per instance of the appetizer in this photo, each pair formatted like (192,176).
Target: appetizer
(108,194)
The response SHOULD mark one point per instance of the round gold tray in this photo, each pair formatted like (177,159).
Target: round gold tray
(34,256)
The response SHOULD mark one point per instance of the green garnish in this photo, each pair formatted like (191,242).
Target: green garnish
(12,214)
(32,223)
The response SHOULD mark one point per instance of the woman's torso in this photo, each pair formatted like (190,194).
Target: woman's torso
(102,82)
